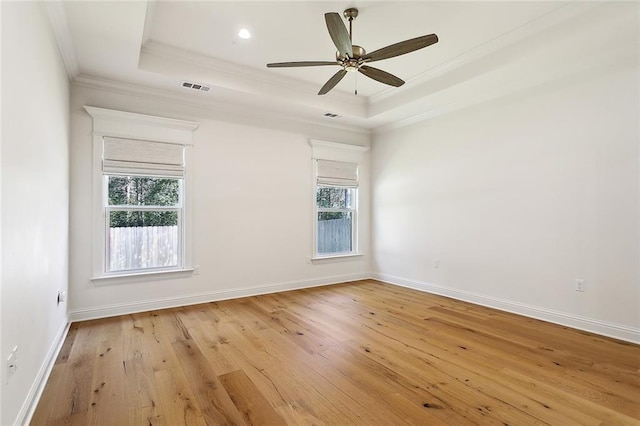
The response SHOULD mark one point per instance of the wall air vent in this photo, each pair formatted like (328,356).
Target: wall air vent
(331,115)
(195,86)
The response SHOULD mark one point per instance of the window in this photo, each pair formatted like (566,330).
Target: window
(144,223)
(336,199)
(140,194)
(143,207)
(336,207)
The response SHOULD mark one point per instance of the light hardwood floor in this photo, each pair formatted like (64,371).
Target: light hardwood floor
(357,353)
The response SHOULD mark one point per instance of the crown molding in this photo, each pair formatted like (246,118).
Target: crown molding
(208,107)
(475,94)
(440,97)
(399,95)
(149,16)
(158,57)
(58,19)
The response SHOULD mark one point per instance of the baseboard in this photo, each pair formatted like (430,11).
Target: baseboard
(617,331)
(31,402)
(205,297)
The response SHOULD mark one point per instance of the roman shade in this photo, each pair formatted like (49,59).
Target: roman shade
(337,173)
(138,157)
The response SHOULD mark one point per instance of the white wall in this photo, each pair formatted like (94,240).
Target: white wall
(252,210)
(520,196)
(35,197)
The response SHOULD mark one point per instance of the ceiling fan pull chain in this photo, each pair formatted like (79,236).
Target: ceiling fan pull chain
(356,91)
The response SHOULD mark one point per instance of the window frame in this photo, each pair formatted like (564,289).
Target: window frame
(125,125)
(179,208)
(354,221)
(332,151)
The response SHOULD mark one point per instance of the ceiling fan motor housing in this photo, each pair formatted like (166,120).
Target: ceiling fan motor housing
(352,63)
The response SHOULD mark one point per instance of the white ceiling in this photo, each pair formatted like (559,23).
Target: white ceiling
(154,46)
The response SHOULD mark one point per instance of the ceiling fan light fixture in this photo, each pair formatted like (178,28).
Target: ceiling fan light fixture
(351,65)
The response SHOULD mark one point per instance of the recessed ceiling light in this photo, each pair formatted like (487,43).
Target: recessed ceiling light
(244,34)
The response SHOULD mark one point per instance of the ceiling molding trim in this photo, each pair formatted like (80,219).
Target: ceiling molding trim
(58,19)
(615,60)
(221,108)
(562,13)
(398,124)
(256,76)
(148,21)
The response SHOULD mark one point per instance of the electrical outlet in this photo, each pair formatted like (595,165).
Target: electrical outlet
(436,263)
(579,284)
(61,296)
(196,269)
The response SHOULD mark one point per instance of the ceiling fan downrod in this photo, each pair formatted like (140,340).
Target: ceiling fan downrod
(351,14)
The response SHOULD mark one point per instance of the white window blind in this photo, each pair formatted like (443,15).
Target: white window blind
(136,157)
(337,173)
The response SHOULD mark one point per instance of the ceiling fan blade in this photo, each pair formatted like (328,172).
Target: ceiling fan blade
(401,48)
(332,82)
(339,34)
(381,76)
(301,64)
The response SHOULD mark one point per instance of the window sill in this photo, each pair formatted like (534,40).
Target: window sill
(335,257)
(141,276)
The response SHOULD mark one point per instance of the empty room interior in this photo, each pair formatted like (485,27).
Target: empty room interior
(305,212)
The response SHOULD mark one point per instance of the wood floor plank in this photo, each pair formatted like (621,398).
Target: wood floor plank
(560,369)
(289,380)
(109,383)
(176,398)
(56,384)
(293,327)
(253,406)
(214,402)
(397,395)
(297,412)
(214,348)
(345,393)
(65,351)
(363,352)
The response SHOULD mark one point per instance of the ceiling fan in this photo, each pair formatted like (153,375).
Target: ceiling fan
(354,58)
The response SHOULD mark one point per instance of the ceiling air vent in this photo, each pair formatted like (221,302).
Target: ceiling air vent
(331,115)
(196,86)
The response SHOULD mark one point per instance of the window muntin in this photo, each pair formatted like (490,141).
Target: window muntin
(144,226)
